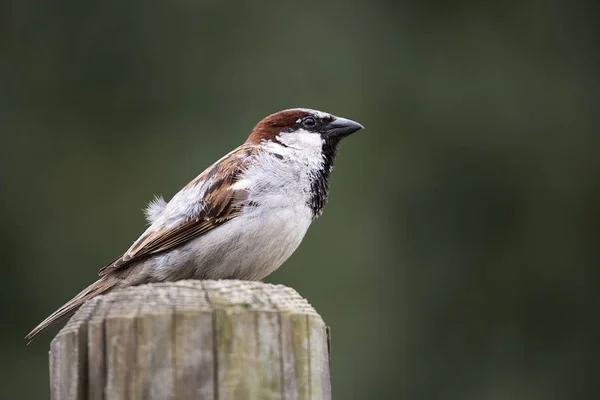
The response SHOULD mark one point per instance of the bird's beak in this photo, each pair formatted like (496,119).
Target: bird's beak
(341,127)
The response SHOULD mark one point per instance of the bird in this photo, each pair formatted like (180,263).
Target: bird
(239,219)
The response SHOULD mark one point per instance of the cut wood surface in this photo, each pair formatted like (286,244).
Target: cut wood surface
(193,340)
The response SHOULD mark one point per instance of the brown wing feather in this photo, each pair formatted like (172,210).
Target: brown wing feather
(221,205)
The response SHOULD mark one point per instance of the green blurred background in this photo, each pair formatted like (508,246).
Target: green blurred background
(458,257)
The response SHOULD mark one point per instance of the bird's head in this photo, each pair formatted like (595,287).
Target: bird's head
(302,127)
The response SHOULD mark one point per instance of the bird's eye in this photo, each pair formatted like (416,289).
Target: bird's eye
(309,121)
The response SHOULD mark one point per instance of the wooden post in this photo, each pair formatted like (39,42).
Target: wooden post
(193,340)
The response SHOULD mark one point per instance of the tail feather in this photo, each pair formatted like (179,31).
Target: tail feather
(96,288)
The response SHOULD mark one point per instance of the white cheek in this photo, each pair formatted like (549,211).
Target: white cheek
(301,151)
(307,142)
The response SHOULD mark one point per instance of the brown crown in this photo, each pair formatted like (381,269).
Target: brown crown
(271,126)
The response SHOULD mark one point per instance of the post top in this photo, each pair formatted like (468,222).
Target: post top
(232,296)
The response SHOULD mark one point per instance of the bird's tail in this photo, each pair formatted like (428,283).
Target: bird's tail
(96,288)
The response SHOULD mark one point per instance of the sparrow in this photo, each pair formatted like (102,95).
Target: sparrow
(239,219)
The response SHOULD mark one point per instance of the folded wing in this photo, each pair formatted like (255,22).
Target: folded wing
(215,200)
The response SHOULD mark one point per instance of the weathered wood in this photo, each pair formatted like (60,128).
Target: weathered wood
(193,340)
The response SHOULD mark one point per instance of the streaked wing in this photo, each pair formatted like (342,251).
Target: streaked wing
(219,204)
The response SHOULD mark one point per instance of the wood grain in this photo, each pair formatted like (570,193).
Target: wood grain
(193,340)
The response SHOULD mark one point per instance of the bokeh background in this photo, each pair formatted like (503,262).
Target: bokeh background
(459,255)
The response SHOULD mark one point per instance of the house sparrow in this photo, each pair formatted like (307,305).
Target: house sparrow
(239,219)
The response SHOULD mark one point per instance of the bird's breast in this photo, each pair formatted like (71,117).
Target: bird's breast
(250,246)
